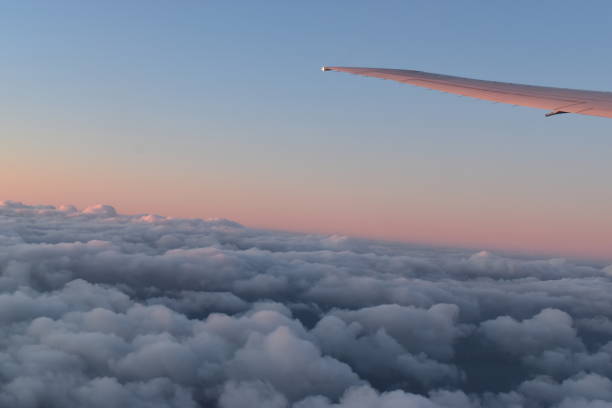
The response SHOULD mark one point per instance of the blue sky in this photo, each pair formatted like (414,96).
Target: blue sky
(198,108)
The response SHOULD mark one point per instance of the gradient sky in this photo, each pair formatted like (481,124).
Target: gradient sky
(219,109)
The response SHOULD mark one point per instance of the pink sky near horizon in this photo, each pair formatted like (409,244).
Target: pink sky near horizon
(434,218)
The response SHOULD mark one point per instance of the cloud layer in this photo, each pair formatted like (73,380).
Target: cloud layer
(106,310)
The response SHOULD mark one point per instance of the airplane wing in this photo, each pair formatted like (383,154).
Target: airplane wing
(556,100)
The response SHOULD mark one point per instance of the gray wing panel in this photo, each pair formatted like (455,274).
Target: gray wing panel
(556,100)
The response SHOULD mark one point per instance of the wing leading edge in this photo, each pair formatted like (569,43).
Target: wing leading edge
(556,100)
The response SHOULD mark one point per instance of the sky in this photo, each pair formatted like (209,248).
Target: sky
(219,109)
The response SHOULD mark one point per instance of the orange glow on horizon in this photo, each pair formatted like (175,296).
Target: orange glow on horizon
(429,218)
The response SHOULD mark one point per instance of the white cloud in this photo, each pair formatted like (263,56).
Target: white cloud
(103,309)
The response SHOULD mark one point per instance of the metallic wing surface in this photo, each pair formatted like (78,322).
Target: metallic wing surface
(555,100)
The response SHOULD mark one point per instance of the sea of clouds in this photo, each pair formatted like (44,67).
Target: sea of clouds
(99,309)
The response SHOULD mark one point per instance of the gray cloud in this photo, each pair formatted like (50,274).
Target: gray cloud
(548,330)
(103,309)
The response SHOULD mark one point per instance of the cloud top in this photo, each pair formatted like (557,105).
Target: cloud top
(103,309)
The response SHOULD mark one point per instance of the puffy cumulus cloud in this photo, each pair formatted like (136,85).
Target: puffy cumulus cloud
(291,364)
(251,394)
(431,331)
(549,329)
(103,309)
(379,357)
(101,209)
(579,389)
